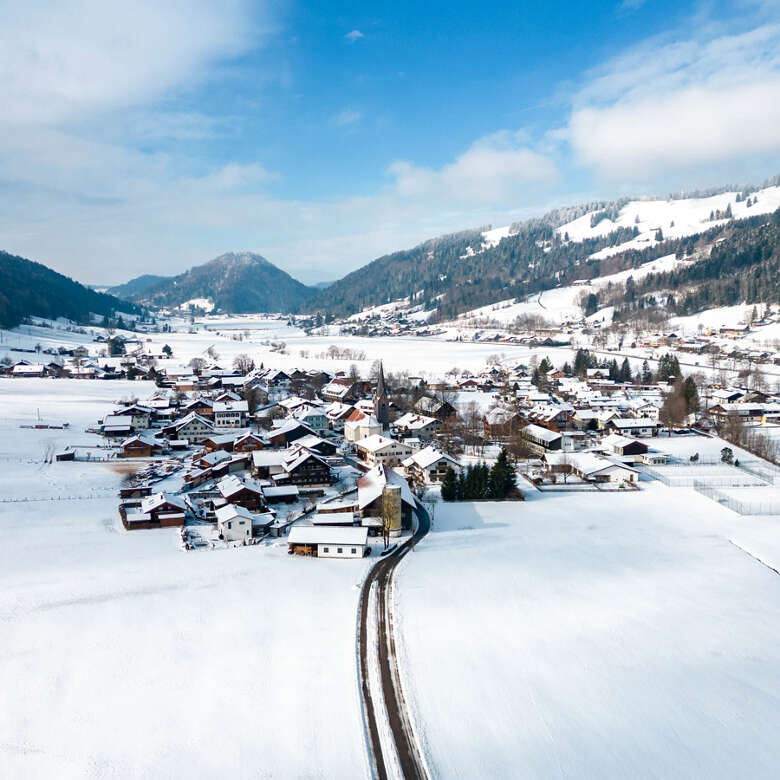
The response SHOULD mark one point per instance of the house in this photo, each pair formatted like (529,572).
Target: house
(541,440)
(337,413)
(341,389)
(141,446)
(234,523)
(314,417)
(377,449)
(140,416)
(191,428)
(219,442)
(624,446)
(236,491)
(114,427)
(499,424)
(591,468)
(430,465)
(164,510)
(328,541)
(230,414)
(433,407)
(317,445)
(633,426)
(267,463)
(287,432)
(360,425)
(248,442)
(301,467)
(419,425)
(25,369)
(281,494)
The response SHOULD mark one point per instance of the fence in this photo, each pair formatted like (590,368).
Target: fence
(687,475)
(748,507)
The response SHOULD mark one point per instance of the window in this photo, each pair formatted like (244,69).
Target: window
(354,550)
(325,549)
(230,525)
(339,550)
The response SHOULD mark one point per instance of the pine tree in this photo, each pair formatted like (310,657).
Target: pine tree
(449,486)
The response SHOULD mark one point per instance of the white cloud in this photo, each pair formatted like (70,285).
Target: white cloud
(669,107)
(494,169)
(354,35)
(59,60)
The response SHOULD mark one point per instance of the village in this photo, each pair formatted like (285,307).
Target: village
(233,452)
(245,454)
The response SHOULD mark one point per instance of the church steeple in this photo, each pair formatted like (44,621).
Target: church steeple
(381,409)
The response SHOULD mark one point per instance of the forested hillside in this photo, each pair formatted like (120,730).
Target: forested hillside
(28,289)
(742,264)
(236,282)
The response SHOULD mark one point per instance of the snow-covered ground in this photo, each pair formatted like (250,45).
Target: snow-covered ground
(676,218)
(123,656)
(620,635)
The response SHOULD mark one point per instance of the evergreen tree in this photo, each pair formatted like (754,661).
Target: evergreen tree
(625,371)
(691,395)
(449,486)
(647,374)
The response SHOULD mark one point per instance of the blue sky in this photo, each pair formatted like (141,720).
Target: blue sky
(152,136)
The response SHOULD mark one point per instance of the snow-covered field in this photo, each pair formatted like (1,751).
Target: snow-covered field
(585,635)
(123,656)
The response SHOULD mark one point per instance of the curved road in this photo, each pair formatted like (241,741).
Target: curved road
(406,748)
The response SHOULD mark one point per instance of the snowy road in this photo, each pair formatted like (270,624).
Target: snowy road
(384,701)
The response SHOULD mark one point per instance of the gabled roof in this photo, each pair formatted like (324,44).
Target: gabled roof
(150,503)
(429,456)
(345,535)
(372,483)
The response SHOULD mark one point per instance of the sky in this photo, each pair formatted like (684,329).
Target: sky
(153,135)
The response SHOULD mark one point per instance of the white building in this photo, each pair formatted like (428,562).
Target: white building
(230,414)
(330,541)
(234,523)
(376,449)
(430,465)
(360,425)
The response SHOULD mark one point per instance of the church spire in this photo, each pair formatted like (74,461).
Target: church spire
(381,410)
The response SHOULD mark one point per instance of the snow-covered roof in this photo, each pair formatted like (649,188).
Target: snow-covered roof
(543,434)
(377,443)
(150,503)
(372,483)
(429,456)
(346,535)
(229,511)
(333,518)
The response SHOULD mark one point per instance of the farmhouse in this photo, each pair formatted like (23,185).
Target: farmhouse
(412,424)
(192,428)
(235,491)
(590,467)
(141,446)
(249,442)
(160,510)
(378,449)
(230,414)
(430,465)
(632,426)
(328,541)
